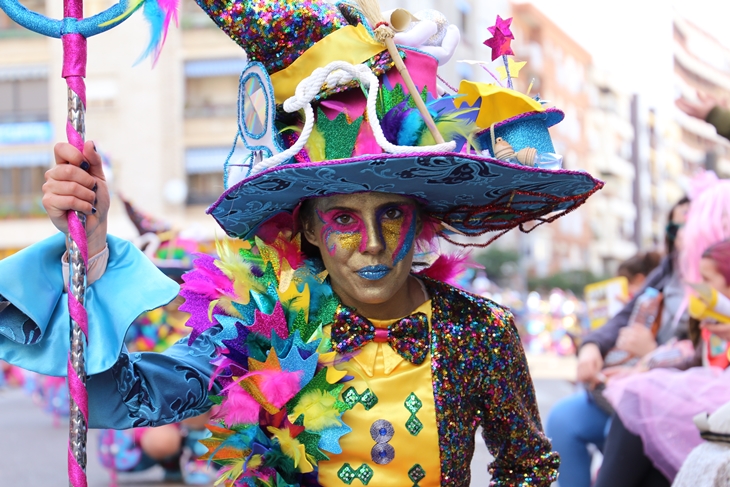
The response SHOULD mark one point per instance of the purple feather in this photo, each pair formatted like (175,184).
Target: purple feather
(393,121)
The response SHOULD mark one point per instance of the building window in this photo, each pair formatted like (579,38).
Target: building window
(464,8)
(23,100)
(9,28)
(204,167)
(211,87)
(21,180)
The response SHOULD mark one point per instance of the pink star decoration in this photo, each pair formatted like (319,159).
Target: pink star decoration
(501,38)
(503,26)
(276,321)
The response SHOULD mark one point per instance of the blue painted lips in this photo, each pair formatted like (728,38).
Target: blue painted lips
(374,272)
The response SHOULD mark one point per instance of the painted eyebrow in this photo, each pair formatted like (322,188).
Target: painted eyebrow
(392,204)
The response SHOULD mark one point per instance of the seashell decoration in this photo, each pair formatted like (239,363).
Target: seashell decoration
(504,151)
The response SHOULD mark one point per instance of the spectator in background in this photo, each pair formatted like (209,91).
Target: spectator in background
(637,268)
(578,420)
(709,109)
(652,431)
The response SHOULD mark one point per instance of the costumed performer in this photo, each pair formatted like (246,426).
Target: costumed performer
(332,362)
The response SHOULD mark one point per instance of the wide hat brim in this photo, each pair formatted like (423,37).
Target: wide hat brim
(472,194)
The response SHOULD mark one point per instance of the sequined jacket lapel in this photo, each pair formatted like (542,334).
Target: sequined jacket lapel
(480,377)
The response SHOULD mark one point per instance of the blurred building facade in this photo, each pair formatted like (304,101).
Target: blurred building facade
(164,131)
(701,63)
(558,70)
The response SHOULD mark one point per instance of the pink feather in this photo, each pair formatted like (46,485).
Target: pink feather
(239,407)
(278,387)
(447,268)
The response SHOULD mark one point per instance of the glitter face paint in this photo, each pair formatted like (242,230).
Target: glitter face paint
(394,226)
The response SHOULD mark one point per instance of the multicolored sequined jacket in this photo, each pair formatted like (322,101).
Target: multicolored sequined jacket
(478,366)
(480,379)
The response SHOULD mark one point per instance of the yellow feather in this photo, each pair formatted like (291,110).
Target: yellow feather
(449,126)
(239,272)
(316,146)
(292,448)
(318,409)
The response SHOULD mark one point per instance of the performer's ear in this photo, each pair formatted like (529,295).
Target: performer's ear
(306,220)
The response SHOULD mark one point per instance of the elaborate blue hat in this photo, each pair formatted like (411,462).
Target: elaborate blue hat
(338,120)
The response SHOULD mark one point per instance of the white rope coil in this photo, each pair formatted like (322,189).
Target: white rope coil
(335,74)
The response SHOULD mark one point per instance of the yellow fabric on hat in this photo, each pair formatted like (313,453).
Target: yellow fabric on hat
(352,44)
(392,379)
(498,104)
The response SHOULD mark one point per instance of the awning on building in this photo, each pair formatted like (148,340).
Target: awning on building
(206,68)
(23,72)
(25,133)
(206,160)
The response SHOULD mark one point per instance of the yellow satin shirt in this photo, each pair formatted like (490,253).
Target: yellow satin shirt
(394,439)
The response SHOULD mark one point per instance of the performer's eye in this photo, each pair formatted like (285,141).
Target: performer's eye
(344,219)
(393,213)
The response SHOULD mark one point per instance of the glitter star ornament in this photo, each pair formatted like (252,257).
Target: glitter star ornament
(502,25)
(513,67)
(500,45)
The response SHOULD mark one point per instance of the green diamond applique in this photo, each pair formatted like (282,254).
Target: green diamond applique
(413,405)
(416,474)
(368,399)
(348,474)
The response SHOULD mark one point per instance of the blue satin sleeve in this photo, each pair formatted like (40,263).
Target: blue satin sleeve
(34,322)
(152,389)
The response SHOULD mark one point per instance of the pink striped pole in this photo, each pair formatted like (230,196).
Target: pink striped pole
(74,71)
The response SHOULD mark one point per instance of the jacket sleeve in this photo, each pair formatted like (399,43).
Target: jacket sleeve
(720,118)
(511,424)
(605,337)
(152,389)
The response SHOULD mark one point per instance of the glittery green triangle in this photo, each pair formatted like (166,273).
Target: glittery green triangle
(327,309)
(388,98)
(300,324)
(311,445)
(339,134)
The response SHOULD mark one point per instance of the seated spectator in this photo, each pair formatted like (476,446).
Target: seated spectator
(578,420)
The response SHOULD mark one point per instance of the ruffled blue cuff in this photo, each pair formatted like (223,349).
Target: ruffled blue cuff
(34,329)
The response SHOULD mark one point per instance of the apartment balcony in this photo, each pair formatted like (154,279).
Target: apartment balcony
(210,131)
(611,164)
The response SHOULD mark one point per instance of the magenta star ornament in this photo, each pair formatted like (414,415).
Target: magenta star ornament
(500,45)
(276,321)
(502,25)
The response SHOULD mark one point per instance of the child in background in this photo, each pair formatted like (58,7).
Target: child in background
(637,268)
(658,406)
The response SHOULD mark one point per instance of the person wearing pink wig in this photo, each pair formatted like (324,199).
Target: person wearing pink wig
(652,431)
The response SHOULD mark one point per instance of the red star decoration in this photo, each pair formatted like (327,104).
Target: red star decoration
(502,25)
(500,45)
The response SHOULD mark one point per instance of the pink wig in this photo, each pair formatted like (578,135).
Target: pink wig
(720,255)
(708,223)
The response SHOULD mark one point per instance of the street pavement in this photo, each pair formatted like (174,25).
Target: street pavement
(33,450)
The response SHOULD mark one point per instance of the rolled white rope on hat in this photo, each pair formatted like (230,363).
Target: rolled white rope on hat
(335,74)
